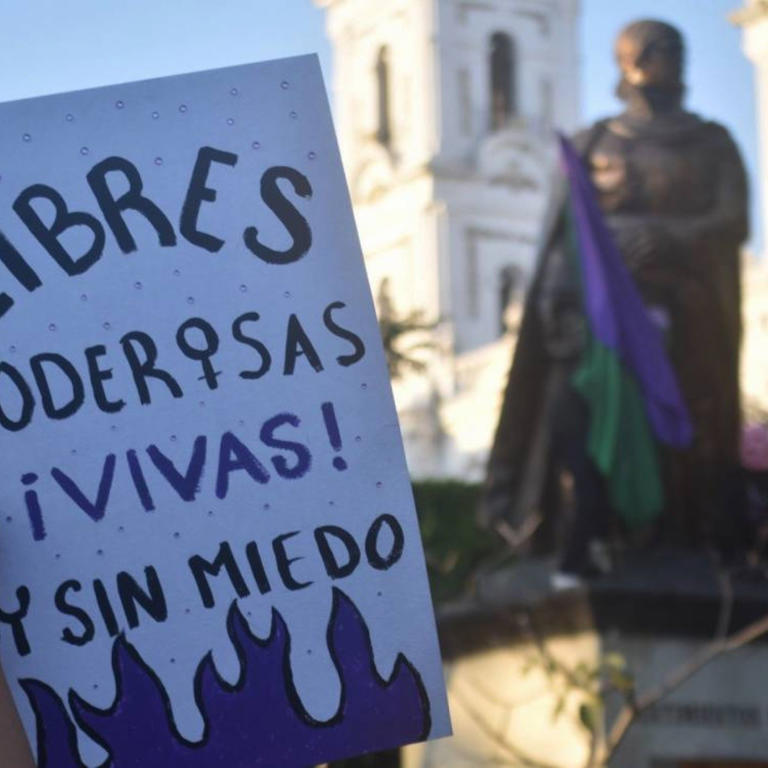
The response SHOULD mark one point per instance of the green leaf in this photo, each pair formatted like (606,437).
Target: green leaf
(614,661)
(589,715)
(622,681)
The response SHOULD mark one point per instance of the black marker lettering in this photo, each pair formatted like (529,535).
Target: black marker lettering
(284,562)
(27,400)
(343,333)
(98,376)
(224,559)
(15,620)
(152,600)
(257,567)
(77,396)
(295,224)
(60,599)
(333,567)
(297,343)
(48,237)
(197,193)
(107,612)
(204,354)
(143,370)
(132,200)
(239,335)
(375,558)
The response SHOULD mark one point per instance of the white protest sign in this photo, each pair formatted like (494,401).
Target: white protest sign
(209,554)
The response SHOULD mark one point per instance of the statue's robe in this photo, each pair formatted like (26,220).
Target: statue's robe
(673,191)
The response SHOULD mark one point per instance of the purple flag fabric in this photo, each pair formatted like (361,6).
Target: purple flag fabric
(616,313)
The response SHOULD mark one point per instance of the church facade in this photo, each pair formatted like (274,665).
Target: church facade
(445,111)
(753,18)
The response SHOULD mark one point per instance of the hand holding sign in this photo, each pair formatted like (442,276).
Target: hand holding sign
(208,549)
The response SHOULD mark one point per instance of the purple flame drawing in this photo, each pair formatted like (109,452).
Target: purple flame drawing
(257,723)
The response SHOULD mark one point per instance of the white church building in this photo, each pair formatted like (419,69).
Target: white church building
(445,111)
(753,18)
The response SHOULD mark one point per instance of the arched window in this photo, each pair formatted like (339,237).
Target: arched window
(503,73)
(384,125)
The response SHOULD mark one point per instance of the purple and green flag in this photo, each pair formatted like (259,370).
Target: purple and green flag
(625,376)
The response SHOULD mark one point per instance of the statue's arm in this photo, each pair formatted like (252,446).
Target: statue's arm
(730,215)
(647,238)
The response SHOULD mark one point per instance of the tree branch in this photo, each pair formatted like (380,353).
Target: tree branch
(553,663)
(678,676)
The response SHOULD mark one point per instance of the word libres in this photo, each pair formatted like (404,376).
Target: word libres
(50,235)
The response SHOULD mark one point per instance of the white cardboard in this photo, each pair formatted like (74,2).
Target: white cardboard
(269,115)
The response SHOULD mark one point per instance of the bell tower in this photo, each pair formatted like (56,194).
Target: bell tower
(753,19)
(445,111)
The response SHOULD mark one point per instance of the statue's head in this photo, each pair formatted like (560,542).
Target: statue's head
(651,56)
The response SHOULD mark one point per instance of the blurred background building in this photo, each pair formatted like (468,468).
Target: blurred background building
(753,18)
(445,111)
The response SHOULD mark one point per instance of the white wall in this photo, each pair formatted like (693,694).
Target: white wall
(756,48)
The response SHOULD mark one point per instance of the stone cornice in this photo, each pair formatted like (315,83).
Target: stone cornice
(750,14)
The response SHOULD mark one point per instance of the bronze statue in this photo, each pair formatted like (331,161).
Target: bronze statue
(673,192)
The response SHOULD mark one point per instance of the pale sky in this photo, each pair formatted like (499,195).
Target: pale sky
(60,45)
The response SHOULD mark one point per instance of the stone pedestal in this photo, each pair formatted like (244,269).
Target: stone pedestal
(658,614)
